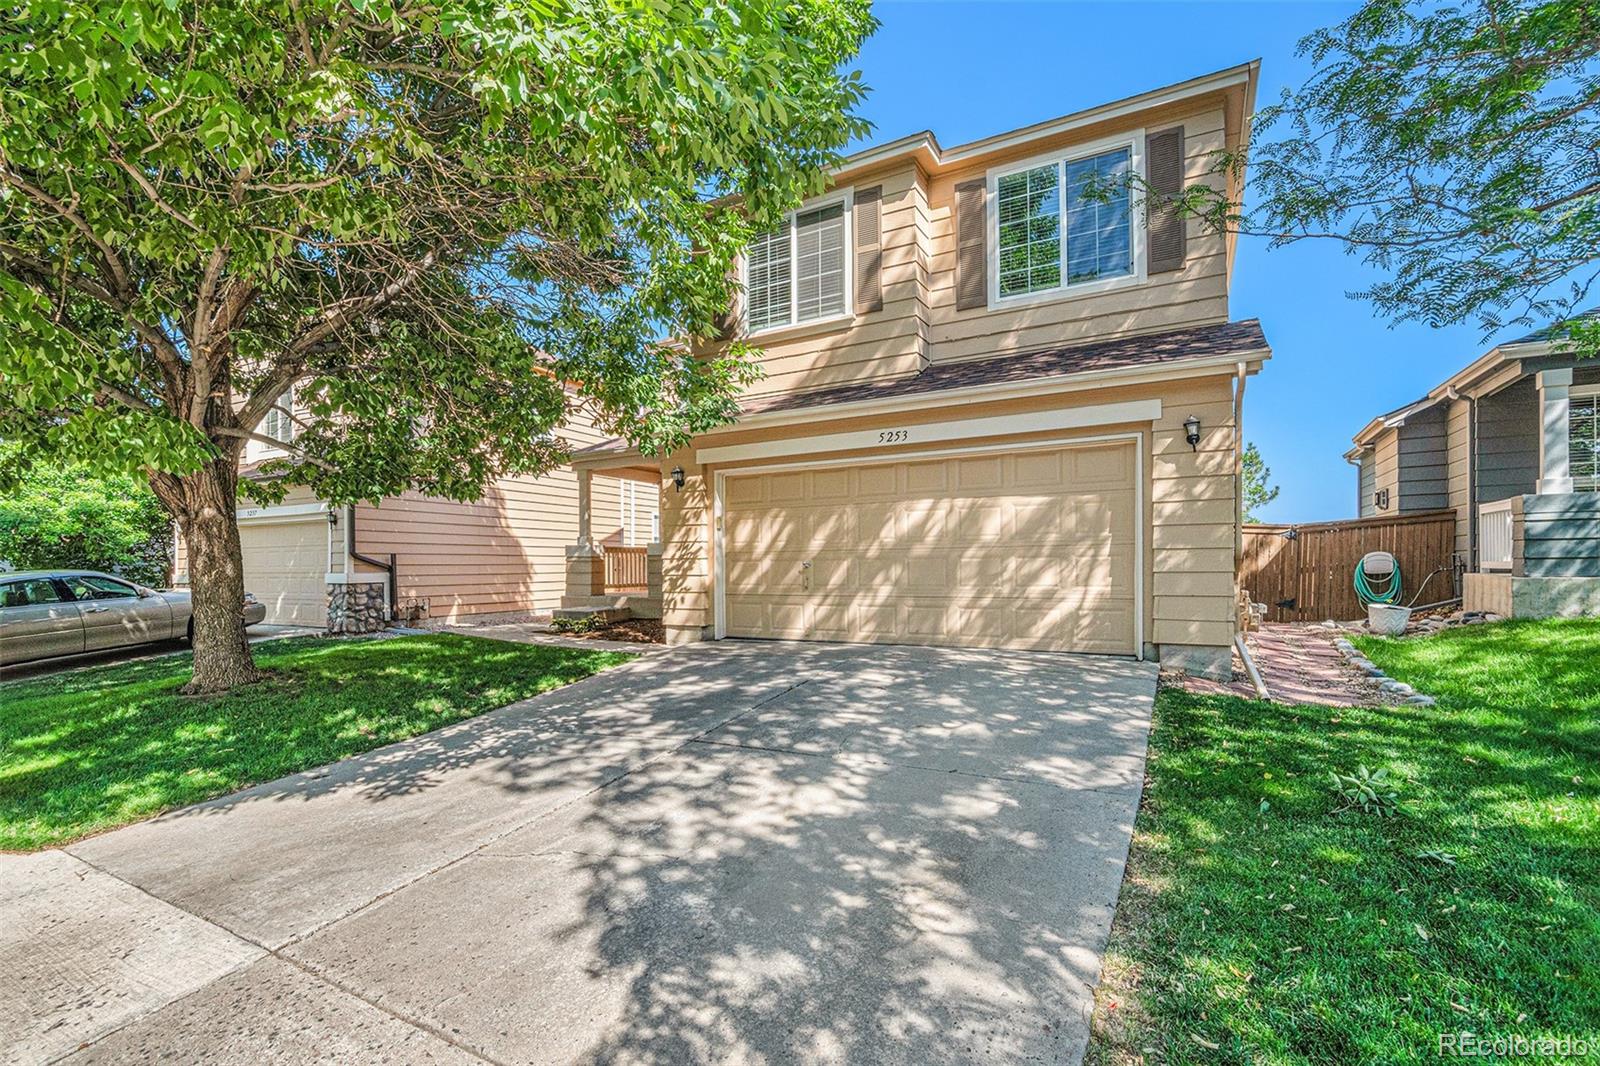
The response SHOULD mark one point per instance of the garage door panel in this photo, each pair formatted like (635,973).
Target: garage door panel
(285,566)
(1032,549)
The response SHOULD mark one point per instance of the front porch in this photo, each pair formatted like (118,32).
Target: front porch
(615,575)
(1538,553)
(1538,556)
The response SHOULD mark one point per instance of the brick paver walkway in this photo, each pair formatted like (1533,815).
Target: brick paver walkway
(1299,665)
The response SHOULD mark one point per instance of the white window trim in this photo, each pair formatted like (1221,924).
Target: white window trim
(257,450)
(1134,142)
(847,197)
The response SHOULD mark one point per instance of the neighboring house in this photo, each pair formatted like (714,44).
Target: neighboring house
(1510,445)
(349,569)
(981,385)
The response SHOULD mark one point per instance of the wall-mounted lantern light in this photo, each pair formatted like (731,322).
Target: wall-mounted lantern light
(1380,499)
(677,478)
(1191,432)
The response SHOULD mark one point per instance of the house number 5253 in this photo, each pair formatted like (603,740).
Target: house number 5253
(894,436)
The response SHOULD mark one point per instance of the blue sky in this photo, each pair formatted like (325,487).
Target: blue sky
(967,70)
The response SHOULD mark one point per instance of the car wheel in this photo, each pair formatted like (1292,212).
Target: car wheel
(189,636)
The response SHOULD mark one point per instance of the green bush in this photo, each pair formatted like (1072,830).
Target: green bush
(65,518)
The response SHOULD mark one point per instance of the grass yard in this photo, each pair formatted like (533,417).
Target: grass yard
(93,749)
(1257,927)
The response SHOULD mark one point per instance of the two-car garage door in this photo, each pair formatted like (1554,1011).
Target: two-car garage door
(1029,549)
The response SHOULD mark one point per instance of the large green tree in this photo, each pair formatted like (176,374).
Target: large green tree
(1454,147)
(450,223)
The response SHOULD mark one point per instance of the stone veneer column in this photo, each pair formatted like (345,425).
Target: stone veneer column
(358,607)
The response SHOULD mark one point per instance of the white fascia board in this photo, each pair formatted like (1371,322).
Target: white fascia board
(285,512)
(1106,414)
(926,143)
(999,391)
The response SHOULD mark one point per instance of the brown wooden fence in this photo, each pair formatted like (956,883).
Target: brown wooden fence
(1304,573)
(627,568)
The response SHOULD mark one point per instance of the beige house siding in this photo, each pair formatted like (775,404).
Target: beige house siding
(505,552)
(1386,470)
(1458,451)
(919,322)
(1195,295)
(879,344)
(1189,504)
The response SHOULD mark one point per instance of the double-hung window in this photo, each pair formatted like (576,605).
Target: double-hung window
(1064,222)
(1583,438)
(277,423)
(800,272)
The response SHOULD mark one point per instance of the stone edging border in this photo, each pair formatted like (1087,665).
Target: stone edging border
(1386,684)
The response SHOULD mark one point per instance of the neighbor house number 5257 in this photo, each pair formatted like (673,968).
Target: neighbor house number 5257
(894,436)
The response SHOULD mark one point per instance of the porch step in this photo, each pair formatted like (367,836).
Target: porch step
(640,606)
(606,615)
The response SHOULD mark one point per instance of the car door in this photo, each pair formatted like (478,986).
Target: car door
(116,614)
(37,621)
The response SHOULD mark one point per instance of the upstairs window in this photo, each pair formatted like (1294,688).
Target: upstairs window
(799,273)
(1064,223)
(276,423)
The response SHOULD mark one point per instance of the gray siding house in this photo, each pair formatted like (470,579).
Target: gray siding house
(1510,444)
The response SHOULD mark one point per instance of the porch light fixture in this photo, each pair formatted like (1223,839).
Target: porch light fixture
(1191,432)
(677,478)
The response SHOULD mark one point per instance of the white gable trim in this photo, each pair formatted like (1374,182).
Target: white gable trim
(893,435)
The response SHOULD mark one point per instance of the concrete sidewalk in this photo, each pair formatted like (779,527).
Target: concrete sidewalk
(735,852)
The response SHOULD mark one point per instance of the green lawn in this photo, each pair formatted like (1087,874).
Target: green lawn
(1290,934)
(89,750)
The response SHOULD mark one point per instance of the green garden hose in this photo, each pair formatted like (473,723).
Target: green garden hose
(1378,590)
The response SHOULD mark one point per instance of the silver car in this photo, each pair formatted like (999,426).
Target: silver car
(46,613)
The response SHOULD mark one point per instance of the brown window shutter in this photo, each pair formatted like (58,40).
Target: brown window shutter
(869,249)
(729,321)
(1164,224)
(972,255)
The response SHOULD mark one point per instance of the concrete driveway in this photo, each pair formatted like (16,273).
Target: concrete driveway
(737,852)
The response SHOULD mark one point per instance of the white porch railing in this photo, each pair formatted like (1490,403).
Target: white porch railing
(1496,534)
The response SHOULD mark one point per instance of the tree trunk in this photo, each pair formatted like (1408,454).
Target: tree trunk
(208,499)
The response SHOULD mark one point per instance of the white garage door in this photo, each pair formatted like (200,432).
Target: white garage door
(286,566)
(1024,549)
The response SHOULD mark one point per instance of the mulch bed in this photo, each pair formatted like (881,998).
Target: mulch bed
(632,630)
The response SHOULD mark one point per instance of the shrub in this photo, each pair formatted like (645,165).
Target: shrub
(63,518)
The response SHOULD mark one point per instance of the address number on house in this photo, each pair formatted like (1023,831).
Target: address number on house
(894,436)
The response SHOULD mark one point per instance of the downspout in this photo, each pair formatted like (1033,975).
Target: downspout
(1472,487)
(1238,486)
(1238,464)
(388,568)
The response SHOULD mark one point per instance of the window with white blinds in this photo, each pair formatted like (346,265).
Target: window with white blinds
(1064,222)
(799,273)
(1583,441)
(277,424)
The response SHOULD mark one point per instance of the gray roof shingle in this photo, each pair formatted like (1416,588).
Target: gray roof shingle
(1147,349)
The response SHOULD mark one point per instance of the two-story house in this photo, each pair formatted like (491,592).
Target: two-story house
(1000,408)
